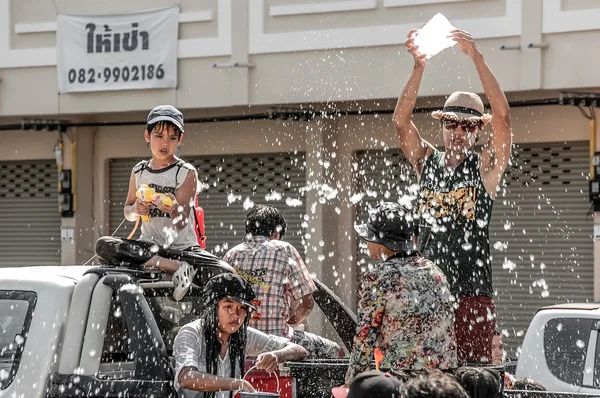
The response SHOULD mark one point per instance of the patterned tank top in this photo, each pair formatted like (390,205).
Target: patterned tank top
(455,211)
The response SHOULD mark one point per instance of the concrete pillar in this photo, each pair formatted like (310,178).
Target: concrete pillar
(322,218)
(240,90)
(531,32)
(77,244)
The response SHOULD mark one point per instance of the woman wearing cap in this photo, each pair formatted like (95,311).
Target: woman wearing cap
(210,352)
(458,187)
(405,307)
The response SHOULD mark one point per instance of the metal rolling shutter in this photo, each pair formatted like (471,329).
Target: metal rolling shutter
(231,181)
(30,228)
(540,216)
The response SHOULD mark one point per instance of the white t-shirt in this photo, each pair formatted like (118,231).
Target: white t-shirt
(160,230)
(189,350)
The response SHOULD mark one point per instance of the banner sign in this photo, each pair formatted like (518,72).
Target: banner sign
(117,52)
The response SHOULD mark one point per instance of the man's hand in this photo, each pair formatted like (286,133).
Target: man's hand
(465,41)
(414,50)
(267,361)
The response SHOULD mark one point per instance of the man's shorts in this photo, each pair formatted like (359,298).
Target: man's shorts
(474,325)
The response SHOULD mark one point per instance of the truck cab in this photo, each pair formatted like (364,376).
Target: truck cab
(87,331)
(105,332)
(562,350)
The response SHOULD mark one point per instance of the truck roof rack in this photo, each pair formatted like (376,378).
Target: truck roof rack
(140,275)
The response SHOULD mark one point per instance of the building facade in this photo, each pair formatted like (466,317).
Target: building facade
(247,68)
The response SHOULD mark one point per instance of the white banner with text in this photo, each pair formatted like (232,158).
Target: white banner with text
(117,52)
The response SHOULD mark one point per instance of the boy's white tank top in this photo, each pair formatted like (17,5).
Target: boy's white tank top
(160,230)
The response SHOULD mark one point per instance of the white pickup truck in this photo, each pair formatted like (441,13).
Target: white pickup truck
(108,332)
(562,349)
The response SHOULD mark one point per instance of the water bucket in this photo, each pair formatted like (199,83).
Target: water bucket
(261,394)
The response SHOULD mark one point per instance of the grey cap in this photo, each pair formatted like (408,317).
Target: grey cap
(391,225)
(166,113)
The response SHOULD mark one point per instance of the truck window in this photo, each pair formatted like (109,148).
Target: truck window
(565,346)
(116,361)
(171,315)
(16,309)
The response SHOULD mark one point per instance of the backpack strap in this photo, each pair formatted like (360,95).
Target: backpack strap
(180,164)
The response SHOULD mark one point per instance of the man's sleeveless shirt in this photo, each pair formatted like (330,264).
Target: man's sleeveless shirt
(455,213)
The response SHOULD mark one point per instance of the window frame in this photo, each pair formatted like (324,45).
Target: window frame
(585,337)
(31,298)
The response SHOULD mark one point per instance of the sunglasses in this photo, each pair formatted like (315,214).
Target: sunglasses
(469,126)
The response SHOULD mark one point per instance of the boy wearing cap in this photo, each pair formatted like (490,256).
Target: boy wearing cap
(210,352)
(168,241)
(458,187)
(405,307)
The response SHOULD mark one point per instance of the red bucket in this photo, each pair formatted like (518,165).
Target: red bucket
(268,381)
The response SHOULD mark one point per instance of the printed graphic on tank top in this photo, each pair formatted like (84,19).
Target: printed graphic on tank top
(455,211)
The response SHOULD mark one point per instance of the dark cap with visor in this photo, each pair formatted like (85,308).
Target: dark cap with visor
(391,225)
(166,113)
(230,286)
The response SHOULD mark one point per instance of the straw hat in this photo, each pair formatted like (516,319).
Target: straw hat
(463,105)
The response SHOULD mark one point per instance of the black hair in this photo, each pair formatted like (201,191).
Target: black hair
(433,384)
(237,343)
(528,384)
(480,382)
(263,220)
(162,125)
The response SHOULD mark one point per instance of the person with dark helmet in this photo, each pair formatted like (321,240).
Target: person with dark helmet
(405,306)
(210,352)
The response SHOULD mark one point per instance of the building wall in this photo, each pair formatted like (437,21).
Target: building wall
(332,51)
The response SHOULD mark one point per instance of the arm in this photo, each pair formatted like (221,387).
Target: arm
(413,146)
(272,350)
(304,308)
(496,151)
(188,357)
(133,206)
(371,307)
(300,286)
(192,379)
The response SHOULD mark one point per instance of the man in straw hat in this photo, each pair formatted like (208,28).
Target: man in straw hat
(458,187)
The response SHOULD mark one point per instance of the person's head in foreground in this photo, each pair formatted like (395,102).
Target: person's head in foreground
(480,382)
(265,220)
(462,121)
(389,230)
(371,384)
(527,384)
(433,384)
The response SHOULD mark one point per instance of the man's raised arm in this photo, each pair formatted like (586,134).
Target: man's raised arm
(496,151)
(414,147)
